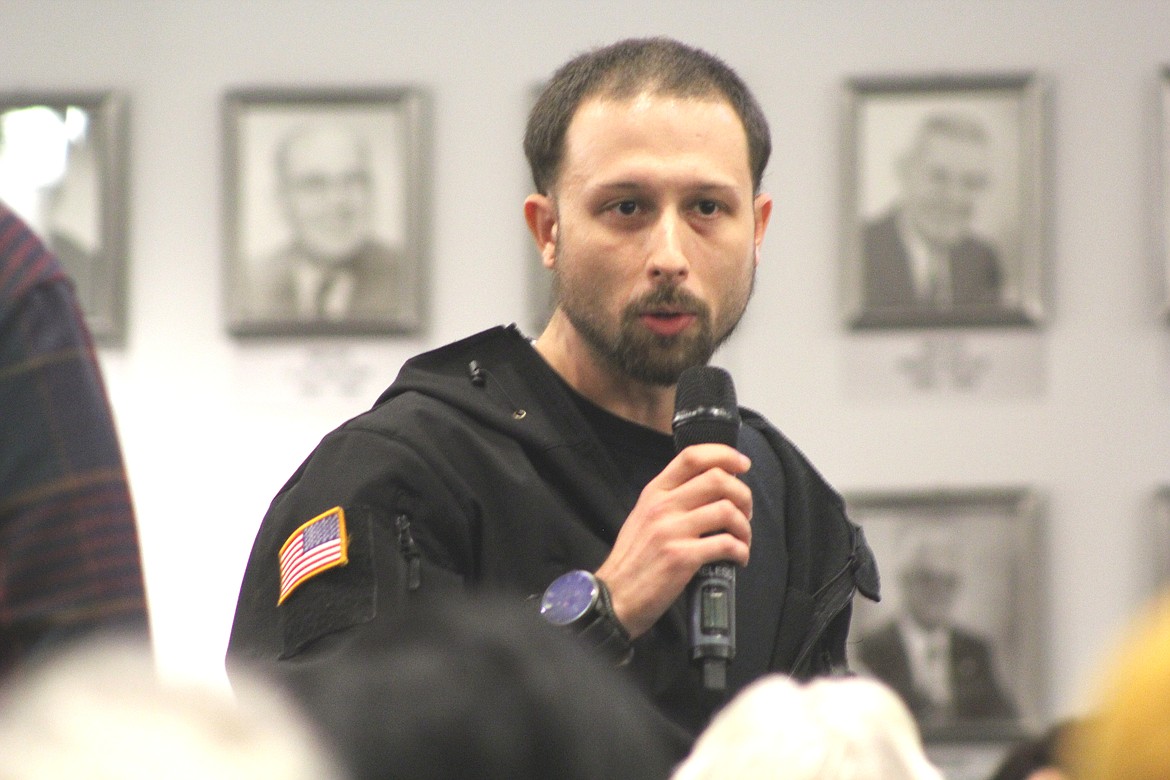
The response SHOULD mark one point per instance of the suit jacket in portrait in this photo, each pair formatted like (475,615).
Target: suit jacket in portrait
(889,279)
(382,291)
(977,694)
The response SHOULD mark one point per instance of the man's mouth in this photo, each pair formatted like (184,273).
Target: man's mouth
(667,323)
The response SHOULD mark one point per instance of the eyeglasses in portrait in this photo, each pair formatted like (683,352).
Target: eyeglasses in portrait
(325,211)
(63,170)
(942,214)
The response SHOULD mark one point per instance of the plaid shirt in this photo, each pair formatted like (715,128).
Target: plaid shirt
(69,555)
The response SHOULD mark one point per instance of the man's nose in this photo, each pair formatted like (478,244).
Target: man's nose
(667,256)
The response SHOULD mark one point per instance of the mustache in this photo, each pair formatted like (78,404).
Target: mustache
(672,298)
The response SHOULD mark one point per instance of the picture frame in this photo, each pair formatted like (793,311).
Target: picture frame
(540,282)
(943,217)
(968,563)
(63,157)
(1164,96)
(326,211)
(1156,542)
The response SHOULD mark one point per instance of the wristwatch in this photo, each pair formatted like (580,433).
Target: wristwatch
(580,602)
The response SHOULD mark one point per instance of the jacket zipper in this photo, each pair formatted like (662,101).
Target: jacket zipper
(834,597)
(409,551)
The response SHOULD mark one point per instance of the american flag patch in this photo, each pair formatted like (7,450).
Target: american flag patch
(316,546)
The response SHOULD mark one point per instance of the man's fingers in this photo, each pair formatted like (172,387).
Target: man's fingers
(699,458)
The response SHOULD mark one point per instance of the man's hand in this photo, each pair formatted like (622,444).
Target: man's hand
(696,511)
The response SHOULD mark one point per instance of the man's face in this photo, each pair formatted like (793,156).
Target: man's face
(930,595)
(942,182)
(326,189)
(657,231)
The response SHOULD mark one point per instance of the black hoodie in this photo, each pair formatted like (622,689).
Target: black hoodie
(477,470)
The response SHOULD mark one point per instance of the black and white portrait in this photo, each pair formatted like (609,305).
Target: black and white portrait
(941,216)
(325,215)
(951,634)
(60,169)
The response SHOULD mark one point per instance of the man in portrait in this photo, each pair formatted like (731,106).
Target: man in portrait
(922,254)
(333,268)
(945,672)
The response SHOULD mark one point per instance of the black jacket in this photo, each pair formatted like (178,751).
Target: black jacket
(476,470)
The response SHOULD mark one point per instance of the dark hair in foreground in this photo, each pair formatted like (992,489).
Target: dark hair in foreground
(623,70)
(486,689)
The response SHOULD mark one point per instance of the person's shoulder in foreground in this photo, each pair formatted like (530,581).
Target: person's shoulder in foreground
(68,540)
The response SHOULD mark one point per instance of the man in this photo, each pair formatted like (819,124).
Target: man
(500,464)
(944,672)
(69,554)
(921,256)
(334,269)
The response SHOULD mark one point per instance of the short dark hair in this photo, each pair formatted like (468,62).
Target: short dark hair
(661,66)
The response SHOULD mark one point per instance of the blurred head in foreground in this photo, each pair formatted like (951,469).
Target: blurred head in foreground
(1128,736)
(100,711)
(485,688)
(843,728)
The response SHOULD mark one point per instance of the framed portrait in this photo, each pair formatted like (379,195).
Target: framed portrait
(1164,88)
(326,201)
(943,202)
(956,632)
(540,282)
(63,170)
(1156,542)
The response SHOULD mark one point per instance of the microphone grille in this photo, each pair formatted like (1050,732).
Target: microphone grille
(705,408)
(705,386)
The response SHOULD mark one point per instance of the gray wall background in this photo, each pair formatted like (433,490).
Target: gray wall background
(212,426)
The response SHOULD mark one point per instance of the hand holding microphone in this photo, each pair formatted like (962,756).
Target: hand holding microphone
(695,511)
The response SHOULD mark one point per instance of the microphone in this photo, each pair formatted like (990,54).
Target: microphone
(705,411)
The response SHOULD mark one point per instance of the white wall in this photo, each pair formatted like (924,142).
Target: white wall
(211,426)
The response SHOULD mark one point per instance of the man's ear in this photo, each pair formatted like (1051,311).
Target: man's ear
(541,215)
(762,206)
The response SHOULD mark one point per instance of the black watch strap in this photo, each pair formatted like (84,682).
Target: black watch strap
(605,632)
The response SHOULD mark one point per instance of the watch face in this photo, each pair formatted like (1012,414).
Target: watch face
(568,597)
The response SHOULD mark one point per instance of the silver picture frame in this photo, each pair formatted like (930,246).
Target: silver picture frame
(1156,543)
(943,207)
(326,211)
(1164,201)
(540,282)
(964,567)
(64,157)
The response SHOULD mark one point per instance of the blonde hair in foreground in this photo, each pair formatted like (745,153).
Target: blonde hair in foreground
(100,711)
(1128,735)
(842,728)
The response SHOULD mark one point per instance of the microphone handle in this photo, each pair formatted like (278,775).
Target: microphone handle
(711,594)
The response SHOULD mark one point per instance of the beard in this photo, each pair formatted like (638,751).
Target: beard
(633,350)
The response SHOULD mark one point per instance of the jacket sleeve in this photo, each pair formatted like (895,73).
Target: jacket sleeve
(405,539)
(829,562)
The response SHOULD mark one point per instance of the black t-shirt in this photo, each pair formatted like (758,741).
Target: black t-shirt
(640,453)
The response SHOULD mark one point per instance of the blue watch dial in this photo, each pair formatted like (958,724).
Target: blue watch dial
(569,597)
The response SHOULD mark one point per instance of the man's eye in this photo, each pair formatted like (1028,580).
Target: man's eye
(627,207)
(707,207)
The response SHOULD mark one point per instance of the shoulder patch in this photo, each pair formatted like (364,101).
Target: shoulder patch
(316,546)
